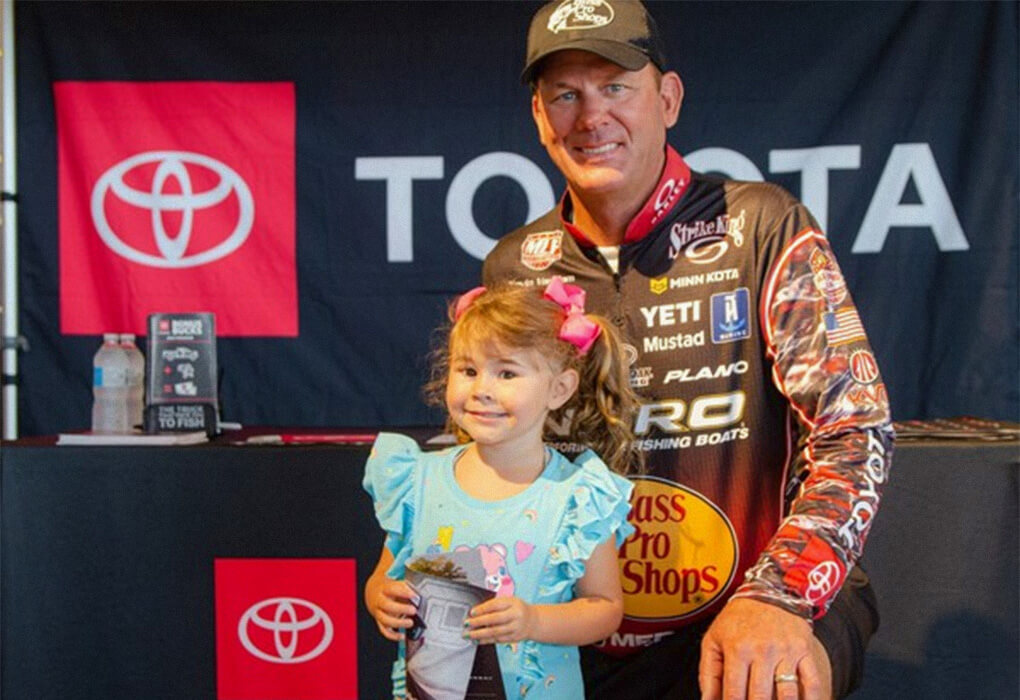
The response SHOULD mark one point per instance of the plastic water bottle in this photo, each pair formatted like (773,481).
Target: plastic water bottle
(135,379)
(110,367)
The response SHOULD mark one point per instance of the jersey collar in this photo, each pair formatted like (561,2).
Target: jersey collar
(676,178)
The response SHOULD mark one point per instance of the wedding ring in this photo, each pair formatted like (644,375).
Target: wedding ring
(786,678)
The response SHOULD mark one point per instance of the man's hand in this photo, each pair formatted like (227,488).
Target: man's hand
(750,643)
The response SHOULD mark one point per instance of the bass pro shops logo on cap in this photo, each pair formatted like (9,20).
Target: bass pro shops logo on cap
(176,196)
(580,14)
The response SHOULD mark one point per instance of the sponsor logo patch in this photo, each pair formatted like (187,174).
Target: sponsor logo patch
(681,312)
(863,367)
(704,242)
(828,278)
(658,285)
(641,377)
(662,578)
(718,372)
(816,574)
(700,278)
(542,249)
(731,320)
(678,341)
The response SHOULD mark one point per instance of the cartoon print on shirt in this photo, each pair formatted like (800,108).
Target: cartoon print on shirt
(497,576)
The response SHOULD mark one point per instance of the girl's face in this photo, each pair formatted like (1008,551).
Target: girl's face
(501,396)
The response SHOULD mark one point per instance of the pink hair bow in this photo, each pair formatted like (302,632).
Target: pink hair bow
(577,329)
(465,301)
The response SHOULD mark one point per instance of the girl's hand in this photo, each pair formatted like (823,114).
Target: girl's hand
(501,620)
(393,605)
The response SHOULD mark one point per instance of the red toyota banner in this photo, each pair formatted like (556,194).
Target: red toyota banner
(286,628)
(176,197)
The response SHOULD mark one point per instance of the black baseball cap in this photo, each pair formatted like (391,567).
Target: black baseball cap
(620,31)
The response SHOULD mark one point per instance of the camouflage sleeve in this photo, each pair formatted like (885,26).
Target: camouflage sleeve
(823,365)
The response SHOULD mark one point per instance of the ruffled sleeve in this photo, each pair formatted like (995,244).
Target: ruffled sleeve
(597,507)
(391,476)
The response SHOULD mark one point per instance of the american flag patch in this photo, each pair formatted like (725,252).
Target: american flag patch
(843,327)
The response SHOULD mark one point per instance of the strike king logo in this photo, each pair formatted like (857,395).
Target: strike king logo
(542,249)
(704,242)
(667,570)
(580,14)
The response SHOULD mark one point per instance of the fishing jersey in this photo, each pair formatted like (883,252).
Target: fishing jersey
(764,419)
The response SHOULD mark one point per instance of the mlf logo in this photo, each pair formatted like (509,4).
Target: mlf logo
(175,166)
(176,196)
(287,620)
(286,628)
(540,250)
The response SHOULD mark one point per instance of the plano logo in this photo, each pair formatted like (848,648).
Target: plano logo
(175,196)
(172,167)
(286,628)
(542,249)
(580,14)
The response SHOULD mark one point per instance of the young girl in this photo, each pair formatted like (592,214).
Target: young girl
(544,529)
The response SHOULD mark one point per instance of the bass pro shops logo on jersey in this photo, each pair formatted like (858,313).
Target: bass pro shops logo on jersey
(173,197)
(286,628)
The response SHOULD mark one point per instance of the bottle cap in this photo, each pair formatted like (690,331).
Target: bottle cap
(110,337)
(127,337)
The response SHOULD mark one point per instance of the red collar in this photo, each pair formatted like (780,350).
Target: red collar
(676,178)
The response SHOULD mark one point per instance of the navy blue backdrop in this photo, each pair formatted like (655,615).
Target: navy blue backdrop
(414,148)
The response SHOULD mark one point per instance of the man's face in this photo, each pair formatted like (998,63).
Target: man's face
(604,126)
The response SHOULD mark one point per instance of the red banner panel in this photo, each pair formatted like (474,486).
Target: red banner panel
(176,197)
(286,628)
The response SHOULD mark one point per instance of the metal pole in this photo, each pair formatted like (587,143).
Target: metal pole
(9,273)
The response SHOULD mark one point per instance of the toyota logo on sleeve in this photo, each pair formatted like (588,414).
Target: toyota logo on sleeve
(172,165)
(289,620)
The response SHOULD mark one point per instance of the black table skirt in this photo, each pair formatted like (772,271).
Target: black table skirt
(106,564)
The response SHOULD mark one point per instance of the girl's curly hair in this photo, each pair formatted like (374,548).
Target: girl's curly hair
(601,411)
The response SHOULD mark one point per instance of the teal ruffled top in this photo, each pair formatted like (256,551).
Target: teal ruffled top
(533,545)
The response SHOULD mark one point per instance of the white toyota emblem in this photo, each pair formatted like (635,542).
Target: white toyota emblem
(172,164)
(287,625)
(822,580)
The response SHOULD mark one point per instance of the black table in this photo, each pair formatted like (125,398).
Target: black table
(106,564)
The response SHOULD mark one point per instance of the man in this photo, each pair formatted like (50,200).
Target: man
(765,422)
